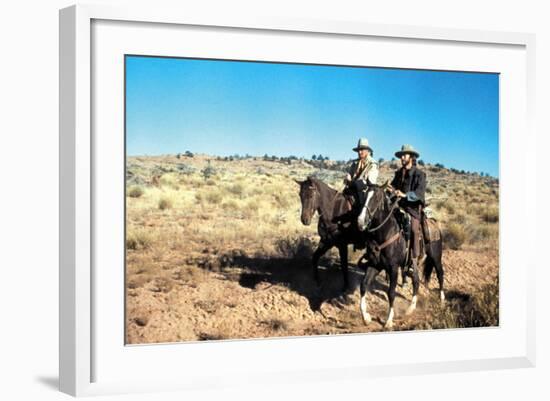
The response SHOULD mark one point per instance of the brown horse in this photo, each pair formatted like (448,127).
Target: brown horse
(316,196)
(387,250)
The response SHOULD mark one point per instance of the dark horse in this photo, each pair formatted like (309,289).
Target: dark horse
(316,196)
(387,250)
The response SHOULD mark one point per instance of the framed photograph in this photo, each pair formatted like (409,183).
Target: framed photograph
(290,199)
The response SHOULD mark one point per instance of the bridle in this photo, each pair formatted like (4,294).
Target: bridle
(312,193)
(313,189)
(377,248)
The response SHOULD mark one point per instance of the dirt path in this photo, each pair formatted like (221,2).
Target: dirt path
(248,297)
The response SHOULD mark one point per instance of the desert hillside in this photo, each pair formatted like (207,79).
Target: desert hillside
(216,250)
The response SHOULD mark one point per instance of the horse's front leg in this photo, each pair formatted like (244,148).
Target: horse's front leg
(416,285)
(366,285)
(320,251)
(391,296)
(343,251)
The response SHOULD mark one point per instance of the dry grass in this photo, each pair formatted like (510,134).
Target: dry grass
(275,325)
(179,231)
(139,239)
(454,235)
(295,248)
(478,309)
(210,196)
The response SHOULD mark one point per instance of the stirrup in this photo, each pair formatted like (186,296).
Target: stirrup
(410,269)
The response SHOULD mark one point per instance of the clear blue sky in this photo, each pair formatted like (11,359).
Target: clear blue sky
(228,107)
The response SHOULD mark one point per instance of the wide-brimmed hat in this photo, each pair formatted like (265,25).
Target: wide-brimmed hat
(363,144)
(407,149)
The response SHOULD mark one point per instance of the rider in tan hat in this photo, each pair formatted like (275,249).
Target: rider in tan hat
(409,184)
(362,174)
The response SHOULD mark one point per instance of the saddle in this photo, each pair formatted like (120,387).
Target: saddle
(430,226)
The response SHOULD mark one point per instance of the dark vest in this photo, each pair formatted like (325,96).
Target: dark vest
(413,180)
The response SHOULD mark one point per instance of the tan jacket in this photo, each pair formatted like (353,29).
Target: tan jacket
(369,173)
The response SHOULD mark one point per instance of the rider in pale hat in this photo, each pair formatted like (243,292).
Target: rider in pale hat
(361,175)
(409,184)
(407,149)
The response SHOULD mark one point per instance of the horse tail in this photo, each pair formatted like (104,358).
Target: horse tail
(428,268)
(433,260)
(433,257)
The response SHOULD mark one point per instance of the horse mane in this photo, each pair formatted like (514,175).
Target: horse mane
(327,196)
(321,185)
(386,200)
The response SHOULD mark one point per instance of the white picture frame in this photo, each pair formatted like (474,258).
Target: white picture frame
(84,355)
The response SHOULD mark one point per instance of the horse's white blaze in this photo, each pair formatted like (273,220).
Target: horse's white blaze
(361,220)
(362,217)
(389,320)
(364,313)
(412,306)
(442,296)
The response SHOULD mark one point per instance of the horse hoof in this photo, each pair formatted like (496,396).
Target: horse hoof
(367,318)
(388,326)
(412,306)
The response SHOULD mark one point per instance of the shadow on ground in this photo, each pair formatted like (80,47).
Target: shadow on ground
(296,275)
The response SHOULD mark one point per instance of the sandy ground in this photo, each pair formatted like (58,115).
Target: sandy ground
(239,297)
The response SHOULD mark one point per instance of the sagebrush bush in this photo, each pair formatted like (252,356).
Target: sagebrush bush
(450,206)
(138,239)
(295,248)
(454,235)
(230,204)
(212,196)
(135,192)
(459,218)
(490,214)
(480,309)
(208,171)
(168,180)
(165,203)
(237,189)
(481,232)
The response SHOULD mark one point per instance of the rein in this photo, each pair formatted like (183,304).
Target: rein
(376,248)
(393,206)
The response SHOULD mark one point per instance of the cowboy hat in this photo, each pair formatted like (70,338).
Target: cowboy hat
(407,149)
(363,144)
